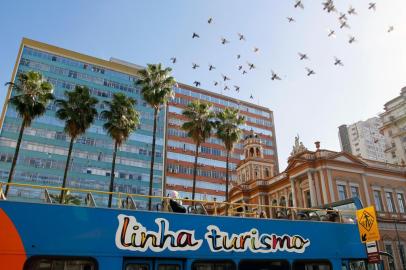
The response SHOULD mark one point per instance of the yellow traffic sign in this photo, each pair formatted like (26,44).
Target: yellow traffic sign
(368,224)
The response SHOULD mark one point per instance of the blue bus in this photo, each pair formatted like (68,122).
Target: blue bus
(43,236)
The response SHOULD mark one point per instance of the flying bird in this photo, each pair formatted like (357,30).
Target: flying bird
(173,60)
(351,11)
(226,88)
(372,5)
(251,66)
(210,20)
(224,41)
(238,56)
(329,6)
(194,66)
(239,67)
(342,17)
(195,35)
(290,19)
(299,3)
(196,83)
(303,56)
(344,24)
(255,49)
(241,36)
(331,33)
(211,67)
(216,83)
(251,96)
(237,88)
(244,72)
(338,62)
(275,76)
(391,28)
(352,39)
(310,71)
(225,78)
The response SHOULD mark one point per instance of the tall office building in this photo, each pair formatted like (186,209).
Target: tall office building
(44,148)
(363,139)
(212,154)
(394,129)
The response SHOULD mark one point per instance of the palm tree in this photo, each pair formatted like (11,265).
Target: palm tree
(199,128)
(78,111)
(121,120)
(32,96)
(228,130)
(68,198)
(157,89)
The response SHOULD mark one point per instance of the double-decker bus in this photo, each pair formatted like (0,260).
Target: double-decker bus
(45,236)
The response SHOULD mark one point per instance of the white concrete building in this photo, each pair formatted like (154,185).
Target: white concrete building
(363,139)
(394,129)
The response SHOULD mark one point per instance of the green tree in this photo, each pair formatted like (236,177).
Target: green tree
(199,128)
(78,111)
(157,89)
(121,120)
(68,198)
(228,130)
(32,95)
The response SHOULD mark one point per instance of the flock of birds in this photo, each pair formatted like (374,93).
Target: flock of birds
(328,6)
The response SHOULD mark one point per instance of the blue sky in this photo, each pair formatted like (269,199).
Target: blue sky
(153,31)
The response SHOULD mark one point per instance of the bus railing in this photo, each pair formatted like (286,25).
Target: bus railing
(205,207)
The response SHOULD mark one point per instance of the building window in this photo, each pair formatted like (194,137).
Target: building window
(308,199)
(354,191)
(393,154)
(378,200)
(342,193)
(401,202)
(389,202)
(388,248)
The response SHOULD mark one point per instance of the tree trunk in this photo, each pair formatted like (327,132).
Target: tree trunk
(151,174)
(14,163)
(113,166)
(65,174)
(194,174)
(227,181)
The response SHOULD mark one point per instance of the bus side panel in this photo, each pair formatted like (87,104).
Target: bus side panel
(12,252)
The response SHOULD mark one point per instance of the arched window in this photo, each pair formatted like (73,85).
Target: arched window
(282,201)
(274,208)
(258,152)
(266,172)
(251,152)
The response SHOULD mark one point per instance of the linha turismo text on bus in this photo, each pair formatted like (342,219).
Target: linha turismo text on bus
(132,235)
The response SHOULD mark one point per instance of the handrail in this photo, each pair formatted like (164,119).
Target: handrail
(248,210)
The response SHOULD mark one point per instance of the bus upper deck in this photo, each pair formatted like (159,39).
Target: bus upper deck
(42,236)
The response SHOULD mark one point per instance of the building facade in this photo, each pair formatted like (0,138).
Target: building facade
(394,128)
(210,182)
(363,139)
(44,147)
(316,178)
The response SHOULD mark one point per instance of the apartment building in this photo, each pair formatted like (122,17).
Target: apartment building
(363,139)
(212,155)
(394,129)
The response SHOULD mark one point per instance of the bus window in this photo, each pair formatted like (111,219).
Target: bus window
(213,265)
(357,265)
(137,266)
(263,265)
(169,267)
(311,265)
(60,263)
